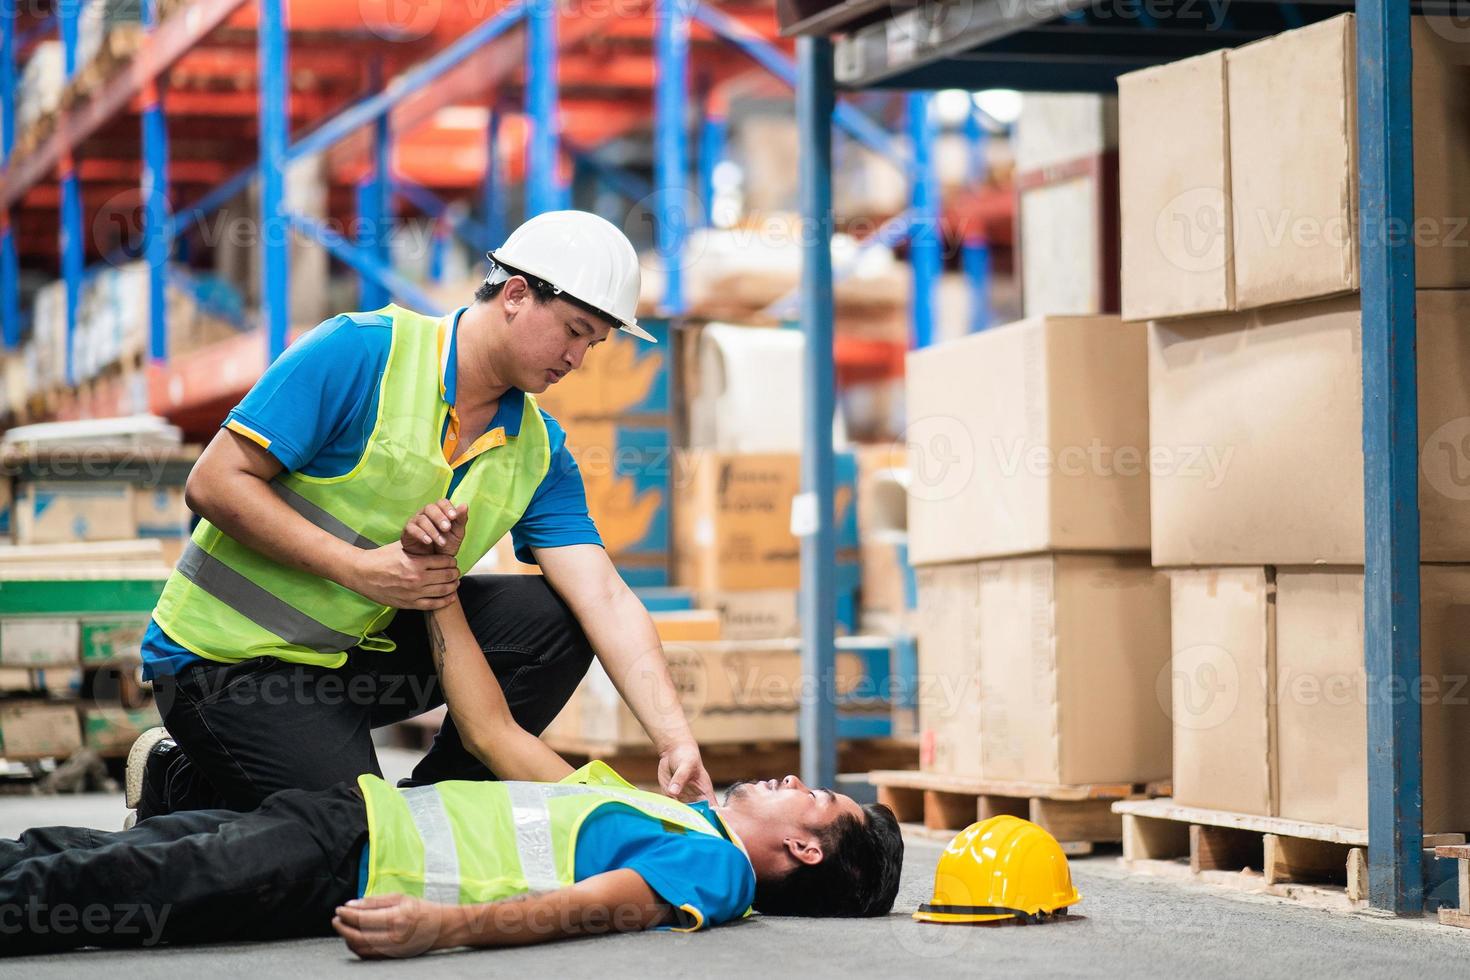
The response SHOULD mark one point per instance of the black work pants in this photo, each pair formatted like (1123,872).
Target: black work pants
(202,876)
(250,729)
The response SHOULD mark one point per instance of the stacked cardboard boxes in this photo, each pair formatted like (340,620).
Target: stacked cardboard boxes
(1240,246)
(735,543)
(615,410)
(1042,626)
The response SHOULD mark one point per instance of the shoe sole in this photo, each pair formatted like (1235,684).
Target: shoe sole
(138,764)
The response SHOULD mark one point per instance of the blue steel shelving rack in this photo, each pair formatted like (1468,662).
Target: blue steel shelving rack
(1390,441)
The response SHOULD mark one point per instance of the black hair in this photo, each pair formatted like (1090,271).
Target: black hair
(857,876)
(543,291)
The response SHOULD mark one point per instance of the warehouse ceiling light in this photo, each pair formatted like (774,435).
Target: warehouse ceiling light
(1001,104)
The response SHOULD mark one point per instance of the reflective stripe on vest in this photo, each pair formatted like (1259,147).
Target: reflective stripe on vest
(532,820)
(441,857)
(336,528)
(258,605)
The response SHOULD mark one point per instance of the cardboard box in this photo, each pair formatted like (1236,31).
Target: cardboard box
(51,512)
(1256,430)
(626,473)
(48,682)
(112,731)
(1175,192)
(160,512)
(36,730)
(732,528)
(1322,696)
(887,577)
(112,639)
(1294,162)
(687,625)
(762,614)
(40,641)
(1218,682)
(730,692)
(1029,438)
(1071,649)
(623,377)
(948,693)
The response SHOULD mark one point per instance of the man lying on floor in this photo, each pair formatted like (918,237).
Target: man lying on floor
(547,854)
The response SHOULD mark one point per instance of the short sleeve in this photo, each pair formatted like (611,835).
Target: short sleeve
(314,392)
(706,880)
(557,515)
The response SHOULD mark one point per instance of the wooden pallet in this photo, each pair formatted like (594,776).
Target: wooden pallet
(1457,917)
(1322,865)
(1079,816)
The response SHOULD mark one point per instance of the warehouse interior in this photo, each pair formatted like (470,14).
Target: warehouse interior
(1051,415)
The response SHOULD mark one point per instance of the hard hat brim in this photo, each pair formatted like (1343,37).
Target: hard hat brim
(962,917)
(627,326)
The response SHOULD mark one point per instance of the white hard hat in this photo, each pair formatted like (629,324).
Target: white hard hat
(579,254)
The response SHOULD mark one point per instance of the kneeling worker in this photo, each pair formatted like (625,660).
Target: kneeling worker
(547,854)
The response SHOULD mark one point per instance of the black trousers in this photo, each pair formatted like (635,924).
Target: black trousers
(197,877)
(251,729)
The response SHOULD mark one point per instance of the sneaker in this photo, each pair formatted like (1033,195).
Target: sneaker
(147,766)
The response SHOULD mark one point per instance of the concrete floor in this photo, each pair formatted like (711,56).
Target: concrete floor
(1126,926)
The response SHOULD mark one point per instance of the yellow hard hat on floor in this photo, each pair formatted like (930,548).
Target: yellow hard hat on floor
(1001,868)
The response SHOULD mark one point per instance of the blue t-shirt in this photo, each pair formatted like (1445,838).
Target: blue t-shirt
(708,880)
(315,407)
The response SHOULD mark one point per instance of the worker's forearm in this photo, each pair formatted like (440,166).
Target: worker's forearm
(478,705)
(248,510)
(617,901)
(628,646)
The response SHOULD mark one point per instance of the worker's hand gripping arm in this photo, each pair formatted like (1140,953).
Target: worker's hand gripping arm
(230,486)
(471,690)
(397,925)
(627,643)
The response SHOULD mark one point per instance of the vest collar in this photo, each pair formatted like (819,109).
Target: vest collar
(512,403)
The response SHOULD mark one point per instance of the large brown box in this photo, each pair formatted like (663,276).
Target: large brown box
(1029,438)
(1322,696)
(1044,669)
(1071,648)
(36,729)
(948,693)
(1294,161)
(1223,622)
(1256,434)
(1175,190)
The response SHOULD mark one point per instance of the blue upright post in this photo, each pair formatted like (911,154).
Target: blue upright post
(975,249)
(383,183)
(274,136)
(371,294)
(542,192)
(712,133)
(157,237)
(493,194)
(815,98)
(1390,459)
(73,245)
(9,260)
(671,49)
(924,234)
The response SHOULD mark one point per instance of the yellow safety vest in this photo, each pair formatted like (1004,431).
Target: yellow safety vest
(461,842)
(228,602)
